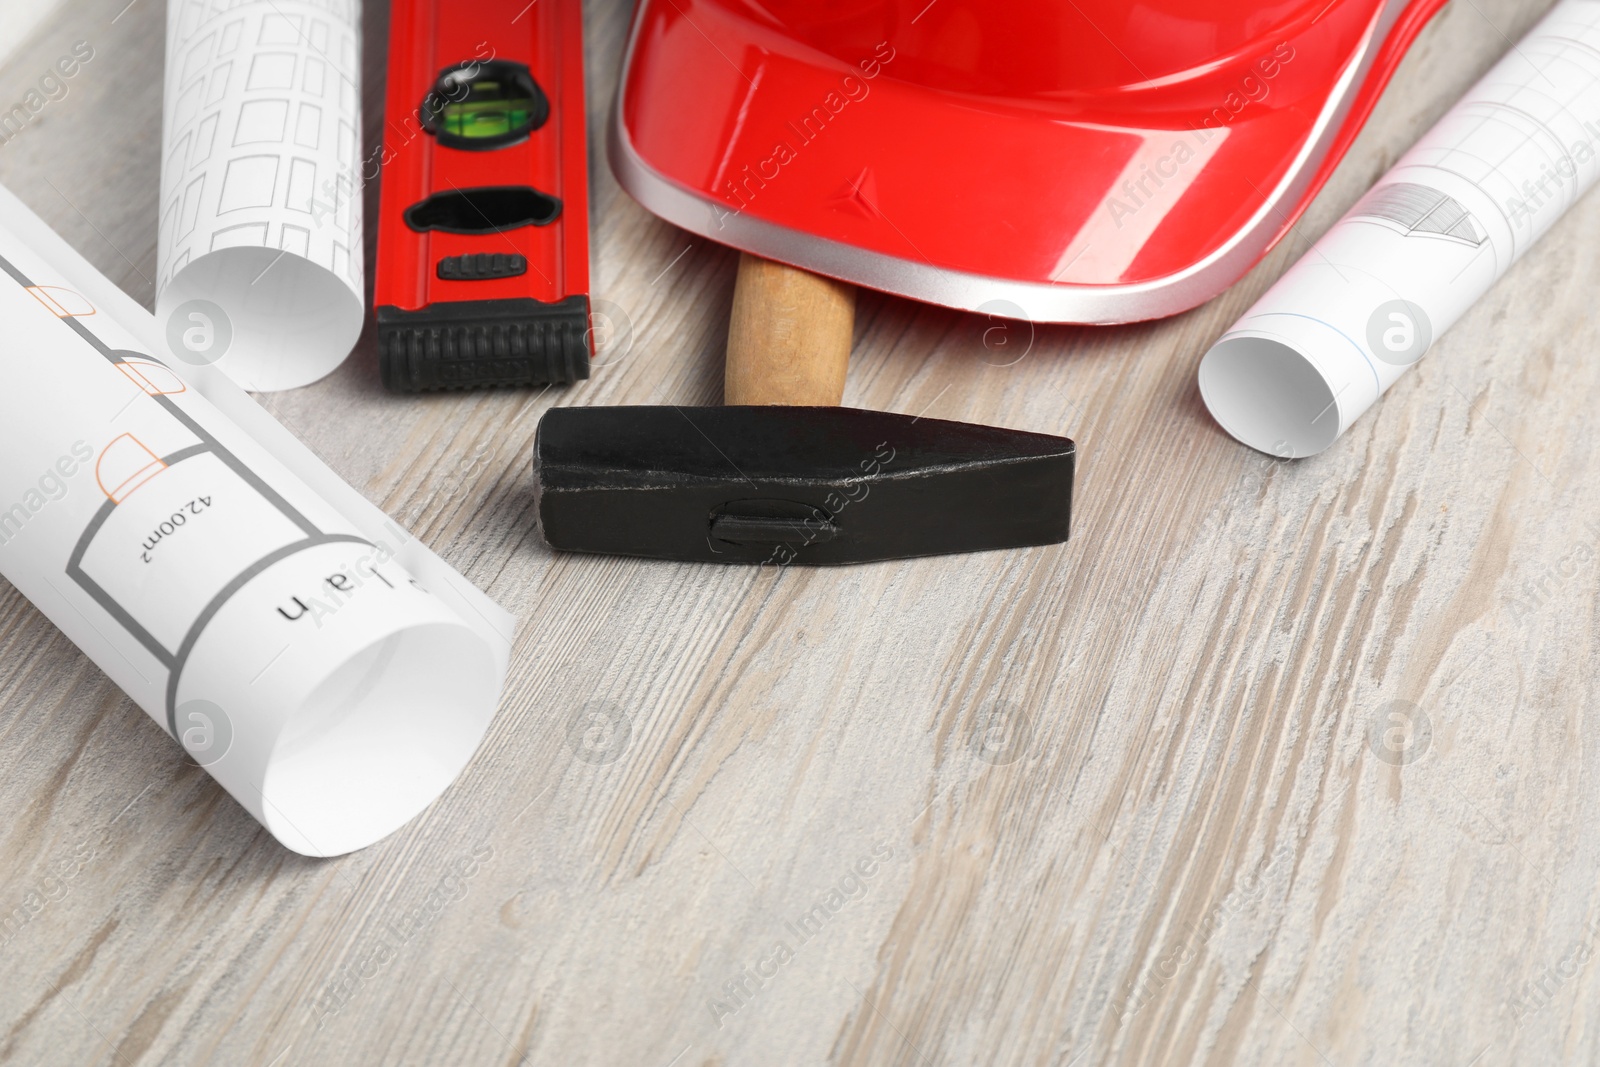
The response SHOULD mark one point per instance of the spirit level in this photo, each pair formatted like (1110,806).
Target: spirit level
(483,238)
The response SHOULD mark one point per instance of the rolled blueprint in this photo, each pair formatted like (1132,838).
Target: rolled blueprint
(329,671)
(1426,242)
(260,267)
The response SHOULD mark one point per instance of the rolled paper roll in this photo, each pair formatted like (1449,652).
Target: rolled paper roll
(1419,249)
(328,670)
(260,268)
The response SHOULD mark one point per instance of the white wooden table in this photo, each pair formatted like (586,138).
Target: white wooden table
(1125,800)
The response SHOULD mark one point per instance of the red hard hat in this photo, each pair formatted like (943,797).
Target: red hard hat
(1092,161)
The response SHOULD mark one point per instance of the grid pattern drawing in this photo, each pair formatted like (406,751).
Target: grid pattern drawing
(261,132)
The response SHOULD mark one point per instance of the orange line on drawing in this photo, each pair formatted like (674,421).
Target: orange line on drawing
(62,303)
(127,456)
(151,376)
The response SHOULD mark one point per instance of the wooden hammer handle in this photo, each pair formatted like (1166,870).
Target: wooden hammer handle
(789,339)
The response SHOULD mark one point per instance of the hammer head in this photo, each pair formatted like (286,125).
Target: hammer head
(807,485)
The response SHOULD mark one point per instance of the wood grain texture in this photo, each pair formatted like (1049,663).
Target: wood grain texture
(789,336)
(1116,801)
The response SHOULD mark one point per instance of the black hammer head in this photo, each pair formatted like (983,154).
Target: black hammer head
(807,485)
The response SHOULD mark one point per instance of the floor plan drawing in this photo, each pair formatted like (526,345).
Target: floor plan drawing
(1446,222)
(170,479)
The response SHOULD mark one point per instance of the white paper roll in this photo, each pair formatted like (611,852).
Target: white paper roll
(1431,237)
(328,670)
(260,256)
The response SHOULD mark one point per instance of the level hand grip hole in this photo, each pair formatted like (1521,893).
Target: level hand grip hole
(489,210)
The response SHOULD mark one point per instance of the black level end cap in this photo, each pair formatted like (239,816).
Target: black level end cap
(469,344)
(806,485)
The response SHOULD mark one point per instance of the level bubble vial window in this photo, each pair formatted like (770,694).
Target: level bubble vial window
(484,105)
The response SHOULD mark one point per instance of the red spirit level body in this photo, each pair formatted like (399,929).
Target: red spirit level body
(1097,161)
(483,236)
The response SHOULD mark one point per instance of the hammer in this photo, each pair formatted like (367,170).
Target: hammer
(783,474)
